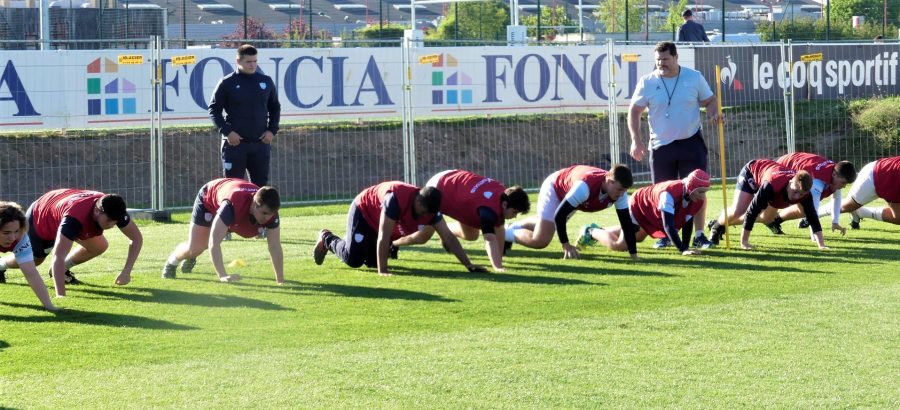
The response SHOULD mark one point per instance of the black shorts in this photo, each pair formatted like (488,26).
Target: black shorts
(200,215)
(746,182)
(40,247)
(678,159)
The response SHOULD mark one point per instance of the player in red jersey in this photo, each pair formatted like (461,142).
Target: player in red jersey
(13,238)
(763,183)
(390,212)
(60,218)
(878,179)
(229,205)
(579,187)
(828,178)
(476,202)
(660,211)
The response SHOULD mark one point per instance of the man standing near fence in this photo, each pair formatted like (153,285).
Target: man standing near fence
(691,31)
(674,95)
(250,120)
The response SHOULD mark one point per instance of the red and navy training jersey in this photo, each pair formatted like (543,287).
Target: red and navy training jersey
(239,193)
(645,207)
(463,192)
(819,167)
(778,176)
(887,179)
(371,200)
(592,176)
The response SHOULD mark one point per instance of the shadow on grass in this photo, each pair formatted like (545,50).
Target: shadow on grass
(177,297)
(92,318)
(490,277)
(3,345)
(599,269)
(293,287)
(752,266)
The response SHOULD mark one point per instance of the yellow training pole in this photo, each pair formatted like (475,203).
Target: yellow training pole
(722,153)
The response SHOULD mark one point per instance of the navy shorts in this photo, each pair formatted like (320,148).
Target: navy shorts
(678,159)
(40,247)
(200,215)
(746,182)
(250,157)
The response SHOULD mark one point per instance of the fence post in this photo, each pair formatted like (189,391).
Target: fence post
(154,85)
(784,79)
(160,152)
(409,140)
(611,104)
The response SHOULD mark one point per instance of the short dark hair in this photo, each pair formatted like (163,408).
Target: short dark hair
(846,170)
(246,50)
(687,13)
(805,180)
(516,198)
(113,206)
(431,199)
(268,196)
(622,175)
(11,212)
(666,46)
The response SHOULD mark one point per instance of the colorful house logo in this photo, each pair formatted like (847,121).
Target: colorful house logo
(451,86)
(107,93)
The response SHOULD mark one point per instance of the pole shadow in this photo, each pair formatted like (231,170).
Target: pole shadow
(598,270)
(93,318)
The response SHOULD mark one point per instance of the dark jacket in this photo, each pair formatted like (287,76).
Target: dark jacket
(250,102)
(691,31)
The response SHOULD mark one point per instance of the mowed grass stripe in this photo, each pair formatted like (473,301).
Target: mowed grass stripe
(827,349)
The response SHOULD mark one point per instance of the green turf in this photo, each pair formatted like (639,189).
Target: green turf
(784,325)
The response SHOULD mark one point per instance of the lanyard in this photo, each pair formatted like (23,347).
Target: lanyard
(672,94)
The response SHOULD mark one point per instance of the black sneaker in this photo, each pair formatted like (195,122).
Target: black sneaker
(775,227)
(187,265)
(803,224)
(320,251)
(168,271)
(701,242)
(2,276)
(392,252)
(71,279)
(854,225)
(716,231)
(506,247)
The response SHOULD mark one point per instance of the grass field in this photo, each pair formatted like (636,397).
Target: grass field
(784,325)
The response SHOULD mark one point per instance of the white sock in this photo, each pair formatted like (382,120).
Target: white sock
(69,263)
(172,260)
(3,265)
(871,213)
(698,233)
(510,234)
(824,210)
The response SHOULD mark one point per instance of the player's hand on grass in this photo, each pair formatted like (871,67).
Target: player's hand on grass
(385,273)
(123,279)
(690,252)
(267,137)
(234,277)
(823,247)
(746,246)
(839,228)
(635,257)
(233,138)
(569,251)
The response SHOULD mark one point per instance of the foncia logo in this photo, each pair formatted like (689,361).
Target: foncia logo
(107,93)
(451,86)
(729,75)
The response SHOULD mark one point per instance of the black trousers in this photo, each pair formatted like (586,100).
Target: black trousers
(678,159)
(250,157)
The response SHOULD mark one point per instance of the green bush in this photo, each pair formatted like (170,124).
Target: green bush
(391,33)
(879,117)
(814,29)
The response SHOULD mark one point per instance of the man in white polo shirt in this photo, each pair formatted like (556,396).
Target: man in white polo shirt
(673,94)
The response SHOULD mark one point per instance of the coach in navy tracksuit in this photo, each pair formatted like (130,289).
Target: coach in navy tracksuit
(691,30)
(250,122)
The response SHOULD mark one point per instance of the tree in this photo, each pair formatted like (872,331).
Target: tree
(551,19)
(612,14)
(485,20)
(842,11)
(674,20)
(255,30)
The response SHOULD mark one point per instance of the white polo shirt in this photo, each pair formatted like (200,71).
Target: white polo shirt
(683,118)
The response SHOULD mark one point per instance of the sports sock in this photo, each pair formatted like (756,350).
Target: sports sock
(172,260)
(698,233)
(70,263)
(825,210)
(510,234)
(871,213)
(3,266)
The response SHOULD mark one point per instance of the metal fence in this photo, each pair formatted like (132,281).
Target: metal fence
(162,162)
